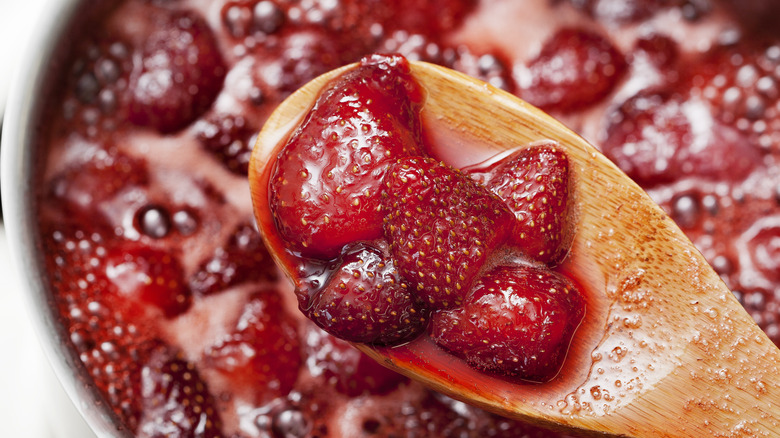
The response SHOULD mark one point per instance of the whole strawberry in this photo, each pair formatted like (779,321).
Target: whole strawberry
(534,183)
(517,322)
(259,357)
(442,227)
(576,68)
(324,190)
(365,300)
(176,400)
(181,73)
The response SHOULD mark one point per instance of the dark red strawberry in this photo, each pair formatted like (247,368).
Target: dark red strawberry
(658,138)
(575,68)
(261,356)
(345,367)
(176,400)
(243,258)
(431,17)
(365,300)
(180,76)
(442,227)
(146,276)
(534,183)
(517,322)
(324,190)
(655,61)
(230,138)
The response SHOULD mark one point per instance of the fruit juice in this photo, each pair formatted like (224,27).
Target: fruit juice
(173,309)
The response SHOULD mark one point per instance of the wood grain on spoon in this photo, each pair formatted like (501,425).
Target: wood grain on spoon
(665,349)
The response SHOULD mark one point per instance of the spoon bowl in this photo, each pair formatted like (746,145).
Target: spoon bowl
(665,349)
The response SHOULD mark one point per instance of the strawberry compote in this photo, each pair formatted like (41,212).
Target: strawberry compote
(164,293)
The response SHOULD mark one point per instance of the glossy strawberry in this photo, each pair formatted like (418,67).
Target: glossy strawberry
(229,138)
(242,259)
(147,276)
(176,400)
(344,367)
(324,190)
(82,189)
(442,227)
(742,86)
(659,138)
(365,300)
(575,68)
(534,183)
(107,342)
(181,73)
(517,322)
(261,355)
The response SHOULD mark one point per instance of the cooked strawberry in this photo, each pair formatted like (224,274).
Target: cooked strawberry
(658,138)
(242,259)
(655,61)
(442,228)
(261,356)
(534,183)
(229,138)
(324,189)
(176,401)
(82,189)
(106,339)
(295,58)
(741,84)
(181,73)
(575,68)
(517,322)
(146,276)
(365,300)
(344,367)
(431,17)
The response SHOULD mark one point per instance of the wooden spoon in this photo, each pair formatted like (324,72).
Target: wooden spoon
(665,349)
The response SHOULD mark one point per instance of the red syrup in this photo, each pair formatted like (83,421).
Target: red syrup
(123,172)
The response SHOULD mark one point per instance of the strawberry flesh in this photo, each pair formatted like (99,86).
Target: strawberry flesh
(349,370)
(176,400)
(534,183)
(147,276)
(575,68)
(181,74)
(365,300)
(442,228)
(518,321)
(324,190)
(261,356)
(242,259)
